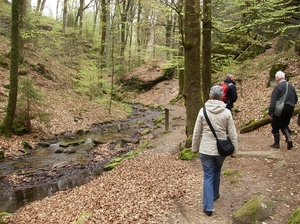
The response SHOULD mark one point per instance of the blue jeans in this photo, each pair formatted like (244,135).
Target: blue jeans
(212,173)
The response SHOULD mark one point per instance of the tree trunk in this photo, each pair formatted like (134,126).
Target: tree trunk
(255,125)
(96,11)
(6,126)
(168,27)
(192,91)
(138,32)
(38,6)
(65,11)
(103,32)
(56,9)
(181,50)
(80,17)
(206,50)
(42,7)
(22,25)
(113,27)
(125,15)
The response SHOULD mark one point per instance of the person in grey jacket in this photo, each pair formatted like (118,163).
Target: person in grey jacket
(282,122)
(203,141)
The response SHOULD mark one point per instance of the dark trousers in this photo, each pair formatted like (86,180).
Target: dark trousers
(282,122)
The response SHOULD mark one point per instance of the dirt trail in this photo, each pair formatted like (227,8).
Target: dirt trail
(256,174)
(260,169)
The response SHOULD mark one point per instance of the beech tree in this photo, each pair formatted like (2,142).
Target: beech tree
(40,6)
(7,124)
(65,10)
(206,50)
(192,88)
(103,32)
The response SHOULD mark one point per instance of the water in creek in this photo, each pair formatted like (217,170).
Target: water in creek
(71,169)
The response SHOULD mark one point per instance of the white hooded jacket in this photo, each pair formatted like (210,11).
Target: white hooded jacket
(221,120)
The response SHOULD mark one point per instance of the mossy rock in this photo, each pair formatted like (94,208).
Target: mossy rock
(256,209)
(251,51)
(81,131)
(153,106)
(1,154)
(187,154)
(26,151)
(66,144)
(78,142)
(159,119)
(59,150)
(43,144)
(146,131)
(141,123)
(295,217)
(63,144)
(26,145)
(277,67)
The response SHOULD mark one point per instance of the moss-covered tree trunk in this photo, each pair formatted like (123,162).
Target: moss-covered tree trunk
(181,50)
(192,92)
(6,126)
(103,32)
(22,14)
(253,125)
(206,50)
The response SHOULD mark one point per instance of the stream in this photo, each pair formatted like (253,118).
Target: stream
(67,162)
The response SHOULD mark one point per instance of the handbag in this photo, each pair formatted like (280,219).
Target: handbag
(224,146)
(279,105)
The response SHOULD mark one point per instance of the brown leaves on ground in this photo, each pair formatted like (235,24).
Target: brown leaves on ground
(141,190)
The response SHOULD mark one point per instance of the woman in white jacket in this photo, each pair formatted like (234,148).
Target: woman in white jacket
(205,142)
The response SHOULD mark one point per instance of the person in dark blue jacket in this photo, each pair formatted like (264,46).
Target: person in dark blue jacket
(231,93)
(282,122)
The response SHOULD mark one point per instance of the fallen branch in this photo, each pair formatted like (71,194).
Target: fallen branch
(262,122)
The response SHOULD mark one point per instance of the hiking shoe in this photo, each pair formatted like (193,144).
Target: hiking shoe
(289,145)
(216,198)
(208,213)
(274,145)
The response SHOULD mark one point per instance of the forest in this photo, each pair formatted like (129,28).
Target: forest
(67,67)
(196,39)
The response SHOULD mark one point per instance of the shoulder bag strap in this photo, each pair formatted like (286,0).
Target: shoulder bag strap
(286,90)
(208,122)
(282,98)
